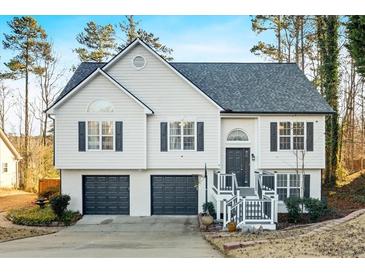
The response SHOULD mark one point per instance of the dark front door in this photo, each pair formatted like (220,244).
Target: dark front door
(238,162)
(174,195)
(106,195)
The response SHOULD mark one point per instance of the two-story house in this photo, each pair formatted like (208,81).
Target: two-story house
(133,136)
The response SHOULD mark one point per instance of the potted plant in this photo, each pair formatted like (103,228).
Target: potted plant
(231,226)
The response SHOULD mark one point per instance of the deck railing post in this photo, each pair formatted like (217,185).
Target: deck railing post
(224,212)
(272,210)
(244,211)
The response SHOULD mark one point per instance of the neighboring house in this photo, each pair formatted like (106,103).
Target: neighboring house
(9,159)
(132,136)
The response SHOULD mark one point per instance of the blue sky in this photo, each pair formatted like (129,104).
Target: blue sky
(193,38)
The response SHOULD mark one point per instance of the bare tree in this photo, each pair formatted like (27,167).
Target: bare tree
(6,102)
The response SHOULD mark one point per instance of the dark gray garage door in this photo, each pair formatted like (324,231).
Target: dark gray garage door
(174,195)
(106,194)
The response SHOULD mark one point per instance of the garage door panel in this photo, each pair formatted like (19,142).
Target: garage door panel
(174,195)
(106,194)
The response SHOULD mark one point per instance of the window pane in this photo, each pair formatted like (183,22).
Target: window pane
(189,128)
(237,135)
(189,143)
(175,128)
(282,193)
(93,142)
(298,128)
(284,128)
(93,128)
(294,192)
(298,143)
(107,142)
(100,106)
(282,180)
(284,142)
(294,180)
(175,142)
(107,128)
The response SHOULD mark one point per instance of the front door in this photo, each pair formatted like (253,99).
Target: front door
(238,162)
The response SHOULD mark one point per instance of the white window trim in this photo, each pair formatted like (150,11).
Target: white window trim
(94,101)
(292,136)
(182,136)
(132,62)
(301,178)
(100,135)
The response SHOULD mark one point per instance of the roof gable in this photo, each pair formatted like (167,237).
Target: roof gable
(78,82)
(9,145)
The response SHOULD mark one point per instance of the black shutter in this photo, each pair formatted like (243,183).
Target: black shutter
(82,136)
(273,136)
(163,136)
(200,136)
(309,136)
(306,191)
(119,136)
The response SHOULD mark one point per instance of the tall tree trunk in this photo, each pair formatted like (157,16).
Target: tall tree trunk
(302,40)
(279,39)
(297,28)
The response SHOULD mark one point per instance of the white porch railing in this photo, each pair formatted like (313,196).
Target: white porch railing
(225,183)
(254,211)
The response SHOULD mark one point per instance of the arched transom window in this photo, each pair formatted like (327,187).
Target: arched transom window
(237,135)
(100,106)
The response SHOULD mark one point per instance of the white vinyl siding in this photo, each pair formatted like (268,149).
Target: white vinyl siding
(8,166)
(171,99)
(75,110)
(287,159)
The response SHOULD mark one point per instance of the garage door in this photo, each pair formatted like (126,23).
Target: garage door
(174,195)
(106,195)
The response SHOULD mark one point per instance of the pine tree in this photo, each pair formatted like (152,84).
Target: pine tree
(98,42)
(356,41)
(24,38)
(131,30)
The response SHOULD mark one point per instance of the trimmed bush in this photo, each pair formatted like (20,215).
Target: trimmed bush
(59,204)
(210,208)
(316,208)
(293,207)
(34,216)
(69,217)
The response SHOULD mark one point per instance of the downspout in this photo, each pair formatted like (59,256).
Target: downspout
(54,148)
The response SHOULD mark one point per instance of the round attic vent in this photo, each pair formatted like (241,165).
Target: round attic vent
(139,62)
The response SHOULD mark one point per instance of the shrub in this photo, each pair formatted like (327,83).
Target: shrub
(316,208)
(59,204)
(49,193)
(32,216)
(293,207)
(70,217)
(210,208)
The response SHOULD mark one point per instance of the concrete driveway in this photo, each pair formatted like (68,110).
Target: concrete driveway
(118,236)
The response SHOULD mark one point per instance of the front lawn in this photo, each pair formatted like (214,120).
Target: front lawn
(13,200)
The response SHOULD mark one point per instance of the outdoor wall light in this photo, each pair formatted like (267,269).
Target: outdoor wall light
(253,157)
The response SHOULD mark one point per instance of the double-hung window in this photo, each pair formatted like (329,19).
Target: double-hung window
(100,135)
(298,135)
(284,135)
(291,135)
(182,135)
(288,185)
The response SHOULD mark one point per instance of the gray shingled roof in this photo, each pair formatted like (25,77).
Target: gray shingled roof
(242,87)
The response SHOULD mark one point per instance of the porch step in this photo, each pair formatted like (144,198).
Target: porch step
(247,191)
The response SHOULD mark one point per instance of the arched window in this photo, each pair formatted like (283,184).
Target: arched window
(100,106)
(237,135)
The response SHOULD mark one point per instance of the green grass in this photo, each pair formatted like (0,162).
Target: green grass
(36,216)
(33,216)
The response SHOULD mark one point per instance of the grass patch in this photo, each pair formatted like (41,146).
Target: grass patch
(36,216)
